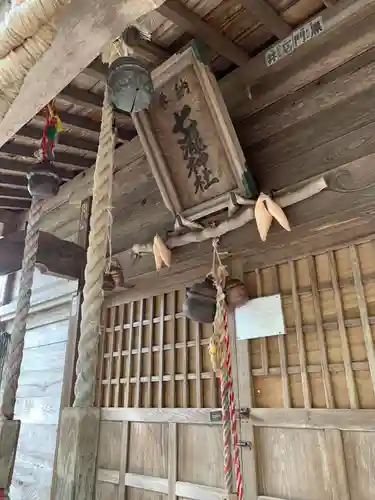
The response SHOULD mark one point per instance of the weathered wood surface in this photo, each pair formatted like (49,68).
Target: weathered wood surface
(9,432)
(84,25)
(54,257)
(77,452)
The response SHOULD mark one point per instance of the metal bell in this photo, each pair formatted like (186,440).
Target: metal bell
(43,180)
(130,85)
(200,302)
(236,293)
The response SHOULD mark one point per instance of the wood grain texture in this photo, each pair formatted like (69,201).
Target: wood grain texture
(359,453)
(77,451)
(9,432)
(76,24)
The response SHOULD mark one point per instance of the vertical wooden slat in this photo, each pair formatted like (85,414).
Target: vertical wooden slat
(139,354)
(300,339)
(124,460)
(173,351)
(263,341)
(363,312)
(172,460)
(161,352)
(326,376)
(120,345)
(282,352)
(198,364)
(108,392)
(334,466)
(150,354)
(244,394)
(346,356)
(99,384)
(185,387)
(130,357)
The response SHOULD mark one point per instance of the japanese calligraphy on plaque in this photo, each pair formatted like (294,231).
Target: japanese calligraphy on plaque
(300,36)
(189,139)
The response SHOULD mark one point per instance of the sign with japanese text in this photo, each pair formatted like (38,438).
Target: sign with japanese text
(190,125)
(295,40)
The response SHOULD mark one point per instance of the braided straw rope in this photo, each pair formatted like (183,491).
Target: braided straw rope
(15,350)
(96,262)
(24,38)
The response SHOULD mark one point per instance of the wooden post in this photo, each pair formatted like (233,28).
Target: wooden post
(76,458)
(9,432)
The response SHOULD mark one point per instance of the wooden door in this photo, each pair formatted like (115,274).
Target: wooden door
(311,392)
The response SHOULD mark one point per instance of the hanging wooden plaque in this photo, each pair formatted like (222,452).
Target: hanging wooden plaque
(189,139)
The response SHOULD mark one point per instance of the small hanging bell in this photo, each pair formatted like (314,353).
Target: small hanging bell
(43,180)
(236,293)
(200,302)
(130,85)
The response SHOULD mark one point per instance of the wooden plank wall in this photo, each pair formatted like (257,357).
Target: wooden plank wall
(312,421)
(157,454)
(39,392)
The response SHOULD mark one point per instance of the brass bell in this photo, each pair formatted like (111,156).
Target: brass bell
(200,302)
(43,180)
(130,85)
(236,293)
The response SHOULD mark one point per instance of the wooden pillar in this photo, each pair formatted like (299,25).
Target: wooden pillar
(9,432)
(77,439)
(76,457)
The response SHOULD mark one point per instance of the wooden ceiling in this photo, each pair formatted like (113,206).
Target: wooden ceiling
(234,31)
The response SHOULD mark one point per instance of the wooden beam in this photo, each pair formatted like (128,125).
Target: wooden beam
(65,139)
(268,16)
(8,192)
(18,181)
(72,161)
(11,165)
(145,49)
(295,418)
(97,69)
(16,204)
(82,30)
(346,13)
(195,25)
(9,217)
(55,256)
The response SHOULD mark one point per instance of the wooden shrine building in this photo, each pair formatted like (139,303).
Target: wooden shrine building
(257,149)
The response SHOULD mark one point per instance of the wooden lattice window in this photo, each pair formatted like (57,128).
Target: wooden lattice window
(169,365)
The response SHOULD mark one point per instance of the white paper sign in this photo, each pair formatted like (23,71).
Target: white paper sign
(296,39)
(261,317)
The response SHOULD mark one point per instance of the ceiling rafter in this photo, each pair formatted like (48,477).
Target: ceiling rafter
(22,167)
(68,159)
(10,192)
(188,20)
(13,203)
(266,14)
(65,139)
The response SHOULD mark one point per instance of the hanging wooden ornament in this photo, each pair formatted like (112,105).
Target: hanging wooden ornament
(236,293)
(277,213)
(262,217)
(200,302)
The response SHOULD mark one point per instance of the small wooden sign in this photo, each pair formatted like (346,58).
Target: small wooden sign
(189,139)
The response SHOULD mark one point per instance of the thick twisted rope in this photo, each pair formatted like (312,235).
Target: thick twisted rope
(17,340)
(220,354)
(96,262)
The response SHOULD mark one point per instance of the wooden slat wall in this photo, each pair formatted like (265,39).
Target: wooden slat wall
(169,366)
(326,360)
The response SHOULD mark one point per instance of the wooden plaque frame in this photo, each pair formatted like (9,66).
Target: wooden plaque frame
(224,131)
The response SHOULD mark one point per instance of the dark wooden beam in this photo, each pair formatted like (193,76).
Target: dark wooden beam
(97,69)
(65,139)
(330,3)
(12,165)
(263,11)
(73,161)
(13,180)
(16,204)
(87,124)
(9,192)
(145,49)
(202,30)
(55,256)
